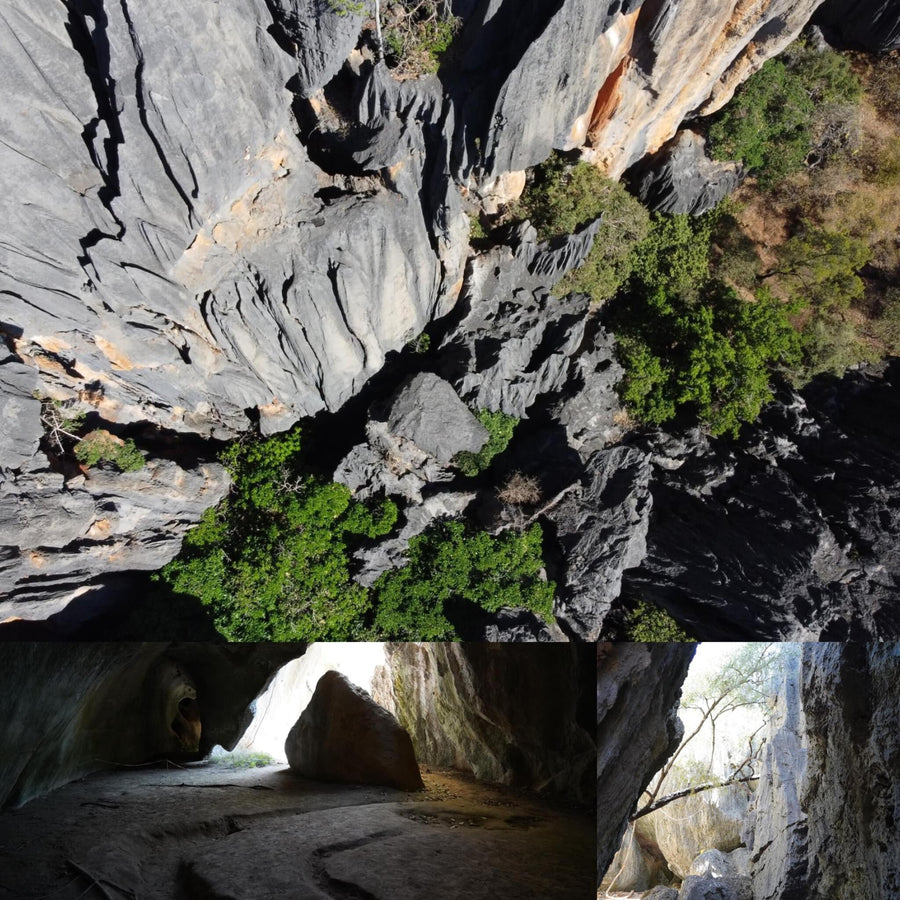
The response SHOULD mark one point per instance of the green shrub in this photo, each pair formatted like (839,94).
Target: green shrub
(830,344)
(819,266)
(101,446)
(769,123)
(647,623)
(419,36)
(273,562)
(562,198)
(674,257)
(348,7)
(687,340)
(886,326)
(448,565)
(887,171)
(500,429)
(476,229)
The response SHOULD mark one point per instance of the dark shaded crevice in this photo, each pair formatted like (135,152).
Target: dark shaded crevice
(486,52)
(336,887)
(92,45)
(139,96)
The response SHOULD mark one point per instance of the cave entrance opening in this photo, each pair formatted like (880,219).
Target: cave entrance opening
(692,818)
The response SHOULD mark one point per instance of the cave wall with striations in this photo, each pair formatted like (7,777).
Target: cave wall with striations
(829,796)
(509,713)
(71,709)
(638,692)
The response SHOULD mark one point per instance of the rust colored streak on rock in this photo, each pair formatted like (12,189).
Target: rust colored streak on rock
(608,96)
(607,101)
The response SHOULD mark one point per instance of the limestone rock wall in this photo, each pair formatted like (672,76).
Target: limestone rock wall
(71,709)
(220,213)
(638,691)
(827,804)
(508,713)
(711,821)
(790,533)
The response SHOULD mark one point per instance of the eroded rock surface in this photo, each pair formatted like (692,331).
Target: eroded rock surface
(790,533)
(694,833)
(69,709)
(681,178)
(57,535)
(264,833)
(464,704)
(199,283)
(638,691)
(872,25)
(344,735)
(827,800)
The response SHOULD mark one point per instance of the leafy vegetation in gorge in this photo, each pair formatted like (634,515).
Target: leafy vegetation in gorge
(563,198)
(446,564)
(825,237)
(100,446)
(500,427)
(781,113)
(417,35)
(688,340)
(273,562)
(647,623)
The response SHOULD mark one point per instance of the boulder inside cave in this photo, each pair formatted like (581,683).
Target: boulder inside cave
(102,796)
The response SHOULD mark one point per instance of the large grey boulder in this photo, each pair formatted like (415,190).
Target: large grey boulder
(711,887)
(710,821)
(660,892)
(427,411)
(713,863)
(681,178)
(343,735)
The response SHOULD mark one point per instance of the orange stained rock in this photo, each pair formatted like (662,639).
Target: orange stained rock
(118,360)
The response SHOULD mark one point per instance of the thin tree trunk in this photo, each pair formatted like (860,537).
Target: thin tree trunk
(687,792)
(378,30)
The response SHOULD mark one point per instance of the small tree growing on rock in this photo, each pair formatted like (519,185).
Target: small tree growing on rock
(745,680)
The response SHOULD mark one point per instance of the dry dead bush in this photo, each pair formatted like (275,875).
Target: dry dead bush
(520,490)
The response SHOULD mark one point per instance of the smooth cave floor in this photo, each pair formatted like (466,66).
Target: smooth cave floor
(206,831)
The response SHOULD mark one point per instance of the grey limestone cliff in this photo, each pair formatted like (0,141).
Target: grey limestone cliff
(638,691)
(826,807)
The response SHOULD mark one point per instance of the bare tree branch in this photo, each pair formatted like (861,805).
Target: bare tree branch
(689,791)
